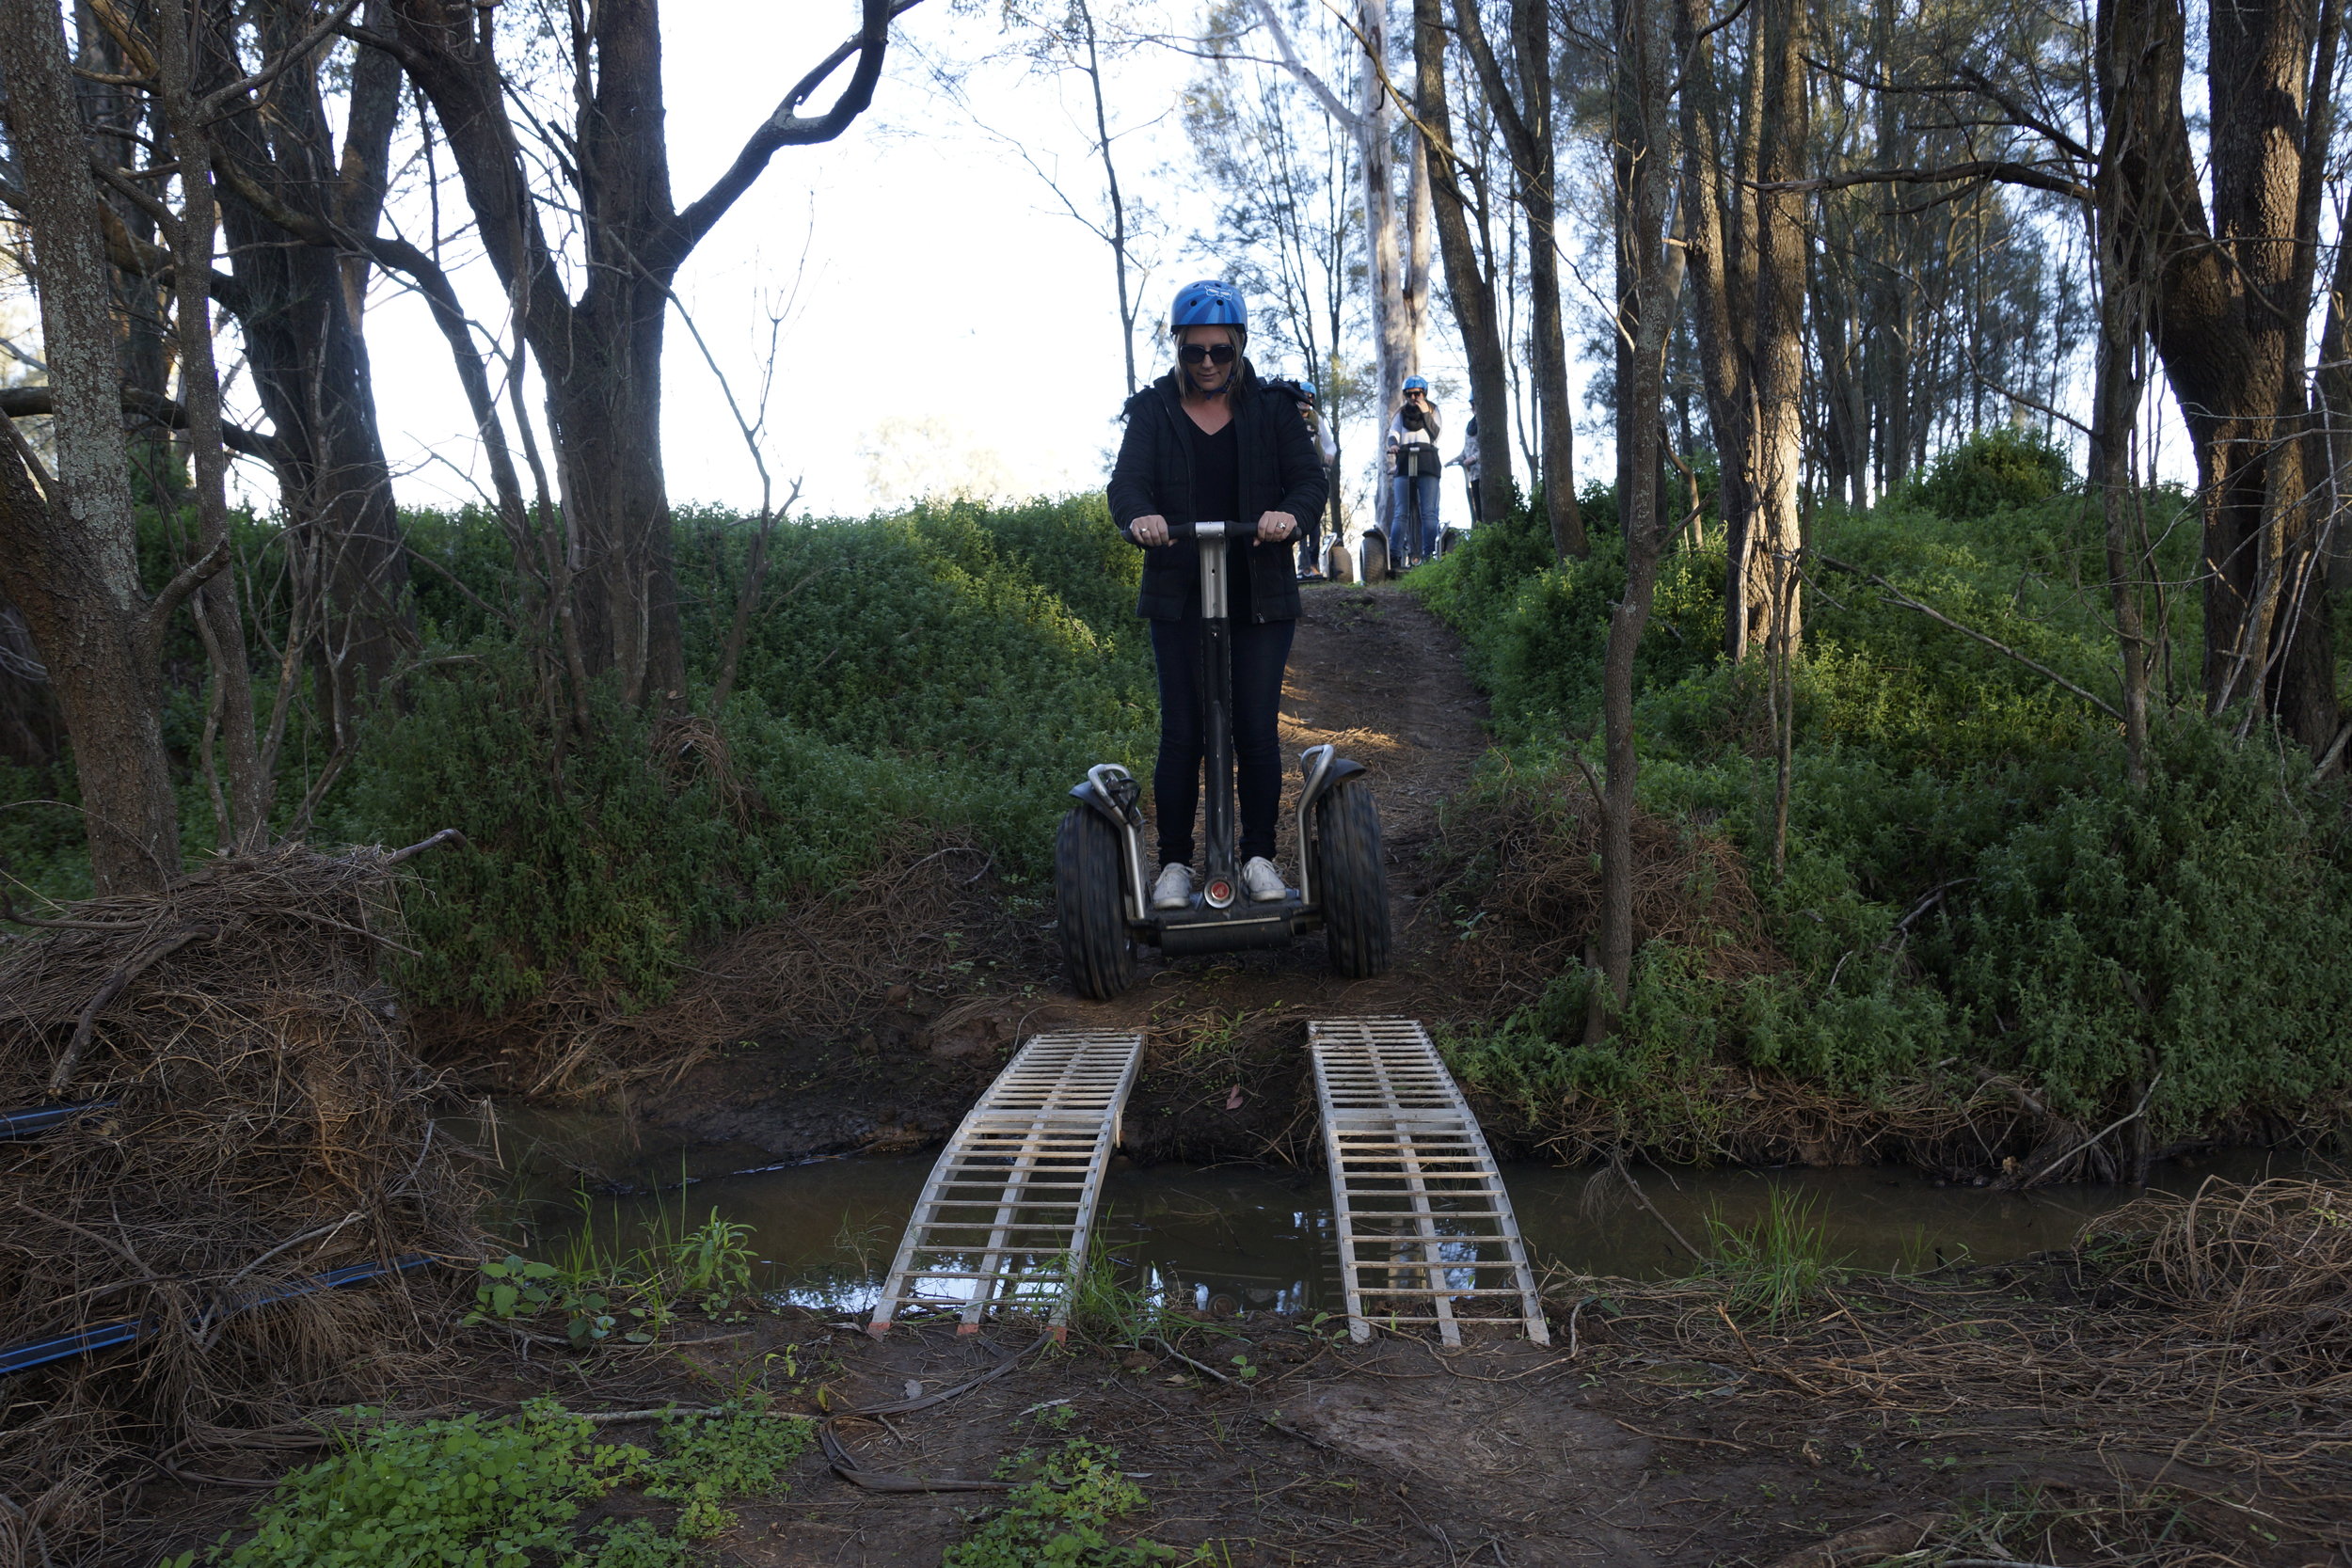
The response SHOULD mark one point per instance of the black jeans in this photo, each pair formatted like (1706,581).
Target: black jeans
(1260,652)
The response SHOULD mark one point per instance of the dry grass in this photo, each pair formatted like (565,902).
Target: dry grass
(2174,1391)
(1528,853)
(270,1122)
(2266,1268)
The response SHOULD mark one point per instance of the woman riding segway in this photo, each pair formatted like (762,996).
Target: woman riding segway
(1209,442)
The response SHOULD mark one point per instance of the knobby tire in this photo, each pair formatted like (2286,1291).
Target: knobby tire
(1354,888)
(1091,905)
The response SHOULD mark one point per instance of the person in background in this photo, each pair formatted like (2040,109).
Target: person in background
(1310,528)
(1468,462)
(1415,425)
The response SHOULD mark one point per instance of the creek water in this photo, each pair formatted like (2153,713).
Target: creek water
(1244,1237)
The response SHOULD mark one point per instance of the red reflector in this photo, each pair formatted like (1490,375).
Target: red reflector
(1220,891)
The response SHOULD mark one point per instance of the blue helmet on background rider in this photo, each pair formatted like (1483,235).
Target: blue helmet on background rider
(1306,390)
(1416,384)
(1209,303)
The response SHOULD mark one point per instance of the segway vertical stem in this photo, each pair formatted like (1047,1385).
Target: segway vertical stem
(1216,712)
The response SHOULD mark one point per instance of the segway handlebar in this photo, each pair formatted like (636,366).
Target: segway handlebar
(1187,533)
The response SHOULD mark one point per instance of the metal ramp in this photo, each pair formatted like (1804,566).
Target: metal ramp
(1424,1223)
(1003,1221)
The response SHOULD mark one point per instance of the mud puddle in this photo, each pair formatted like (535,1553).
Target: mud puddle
(1235,1237)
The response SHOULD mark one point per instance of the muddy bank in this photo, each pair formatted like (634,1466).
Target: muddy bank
(2166,1396)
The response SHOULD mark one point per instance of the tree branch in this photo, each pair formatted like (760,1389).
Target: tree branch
(787,127)
(2003,170)
(1347,118)
(217,103)
(26,403)
(195,575)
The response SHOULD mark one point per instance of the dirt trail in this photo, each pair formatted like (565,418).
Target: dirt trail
(1372,671)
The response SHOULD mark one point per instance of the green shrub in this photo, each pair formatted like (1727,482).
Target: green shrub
(485,1492)
(741,1450)
(1061,1518)
(1657,1070)
(1970,879)
(1535,637)
(1992,469)
(905,675)
(2195,930)
(507,1491)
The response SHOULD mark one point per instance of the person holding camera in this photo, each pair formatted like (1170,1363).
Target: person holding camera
(1310,528)
(1413,469)
(1212,442)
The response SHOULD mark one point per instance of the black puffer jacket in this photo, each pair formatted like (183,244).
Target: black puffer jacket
(1279,473)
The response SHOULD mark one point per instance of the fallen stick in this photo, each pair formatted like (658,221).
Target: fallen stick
(1196,1365)
(846,1466)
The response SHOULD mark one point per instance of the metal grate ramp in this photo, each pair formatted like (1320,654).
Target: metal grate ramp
(1425,1230)
(1003,1220)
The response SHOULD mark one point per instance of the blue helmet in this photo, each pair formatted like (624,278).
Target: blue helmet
(1306,390)
(1208,303)
(1416,384)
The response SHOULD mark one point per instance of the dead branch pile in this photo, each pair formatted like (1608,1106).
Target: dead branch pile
(1528,852)
(2266,1268)
(269,1123)
(2176,1380)
(824,969)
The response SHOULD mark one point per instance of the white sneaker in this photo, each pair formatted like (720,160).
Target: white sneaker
(1173,891)
(1263,881)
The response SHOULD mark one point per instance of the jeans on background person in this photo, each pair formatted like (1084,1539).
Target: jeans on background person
(1259,651)
(1411,547)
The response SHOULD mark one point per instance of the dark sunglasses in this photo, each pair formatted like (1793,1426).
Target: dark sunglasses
(1215,353)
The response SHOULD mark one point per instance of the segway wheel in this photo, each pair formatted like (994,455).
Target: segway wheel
(1372,554)
(1091,905)
(1354,883)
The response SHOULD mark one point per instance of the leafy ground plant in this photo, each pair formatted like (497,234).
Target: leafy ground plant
(507,1491)
(1062,1516)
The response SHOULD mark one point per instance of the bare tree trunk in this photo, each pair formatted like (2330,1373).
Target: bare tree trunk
(1781,247)
(309,361)
(1722,270)
(2228,321)
(247,794)
(1129,307)
(1525,124)
(1642,125)
(69,557)
(1370,123)
(1419,220)
(2335,408)
(1469,285)
(1392,340)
